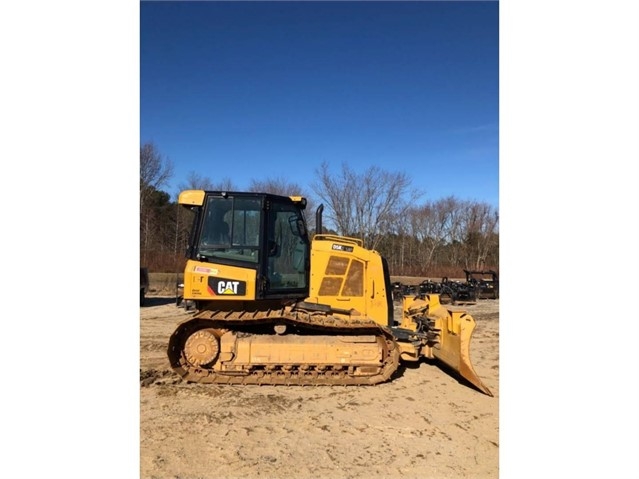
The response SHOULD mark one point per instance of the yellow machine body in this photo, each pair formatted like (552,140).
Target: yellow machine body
(213,282)
(348,277)
(454,330)
(266,315)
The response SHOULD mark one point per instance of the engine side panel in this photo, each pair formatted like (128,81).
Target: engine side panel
(348,277)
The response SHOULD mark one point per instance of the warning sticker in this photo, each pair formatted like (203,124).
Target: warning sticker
(205,270)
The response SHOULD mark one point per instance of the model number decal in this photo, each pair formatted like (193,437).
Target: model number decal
(341,247)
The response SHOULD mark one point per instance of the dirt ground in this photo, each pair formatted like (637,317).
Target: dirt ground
(424,423)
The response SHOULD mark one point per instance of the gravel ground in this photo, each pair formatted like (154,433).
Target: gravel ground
(424,423)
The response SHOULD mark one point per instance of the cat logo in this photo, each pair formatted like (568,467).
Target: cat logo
(227,287)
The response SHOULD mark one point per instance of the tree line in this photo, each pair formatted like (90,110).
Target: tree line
(432,238)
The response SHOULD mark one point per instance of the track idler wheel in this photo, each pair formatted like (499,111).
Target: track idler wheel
(201,348)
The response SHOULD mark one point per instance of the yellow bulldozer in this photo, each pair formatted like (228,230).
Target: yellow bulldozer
(273,306)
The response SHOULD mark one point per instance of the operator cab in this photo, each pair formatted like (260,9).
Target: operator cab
(257,231)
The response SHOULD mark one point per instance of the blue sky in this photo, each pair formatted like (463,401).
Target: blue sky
(265,90)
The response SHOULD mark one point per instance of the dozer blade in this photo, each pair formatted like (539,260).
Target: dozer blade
(452,347)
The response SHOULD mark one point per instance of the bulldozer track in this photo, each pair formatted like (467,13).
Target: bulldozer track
(312,322)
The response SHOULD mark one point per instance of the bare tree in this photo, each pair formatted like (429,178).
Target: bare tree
(338,194)
(195,181)
(281,186)
(480,224)
(428,224)
(275,186)
(364,205)
(400,248)
(450,213)
(155,172)
(225,184)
